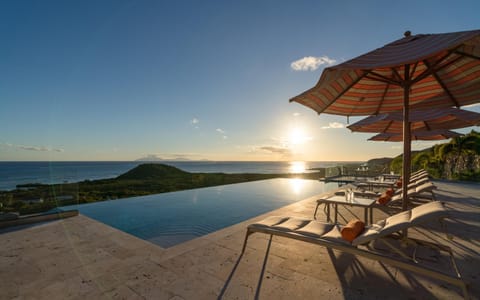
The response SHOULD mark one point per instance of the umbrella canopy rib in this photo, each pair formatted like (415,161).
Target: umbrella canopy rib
(433,135)
(414,69)
(388,126)
(426,125)
(435,67)
(442,84)
(379,77)
(380,103)
(467,55)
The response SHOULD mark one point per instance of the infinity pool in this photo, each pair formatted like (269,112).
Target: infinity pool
(169,219)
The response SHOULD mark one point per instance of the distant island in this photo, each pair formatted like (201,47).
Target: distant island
(155,158)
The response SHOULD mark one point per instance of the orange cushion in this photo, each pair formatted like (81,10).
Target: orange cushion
(353,229)
(384,198)
(389,192)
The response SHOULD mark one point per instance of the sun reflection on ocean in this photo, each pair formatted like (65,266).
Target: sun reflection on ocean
(297,167)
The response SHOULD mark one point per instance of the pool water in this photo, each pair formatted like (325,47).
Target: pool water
(168,219)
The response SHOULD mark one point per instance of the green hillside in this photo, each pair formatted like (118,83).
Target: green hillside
(152,171)
(458,159)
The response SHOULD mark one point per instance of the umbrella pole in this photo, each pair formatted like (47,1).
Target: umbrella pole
(406,138)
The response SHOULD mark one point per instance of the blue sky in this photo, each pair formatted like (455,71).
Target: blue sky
(121,80)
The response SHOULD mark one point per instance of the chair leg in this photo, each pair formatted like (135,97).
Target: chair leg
(315,213)
(445,229)
(246,239)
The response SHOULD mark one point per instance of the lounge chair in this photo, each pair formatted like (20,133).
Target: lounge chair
(415,180)
(418,191)
(419,174)
(416,195)
(329,235)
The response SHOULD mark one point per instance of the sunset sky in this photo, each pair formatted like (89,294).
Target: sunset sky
(123,80)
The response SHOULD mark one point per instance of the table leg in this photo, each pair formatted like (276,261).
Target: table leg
(336,212)
(371,215)
(365,215)
(328,211)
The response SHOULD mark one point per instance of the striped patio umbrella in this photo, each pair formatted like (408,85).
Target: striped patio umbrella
(420,120)
(423,70)
(432,135)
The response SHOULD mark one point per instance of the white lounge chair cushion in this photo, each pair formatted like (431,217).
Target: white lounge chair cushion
(291,224)
(425,187)
(396,222)
(429,211)
(335,235)
(418,215)
(370,233)
(316,229)
(270,221)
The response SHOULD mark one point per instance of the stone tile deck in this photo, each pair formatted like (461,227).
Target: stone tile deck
(79,258)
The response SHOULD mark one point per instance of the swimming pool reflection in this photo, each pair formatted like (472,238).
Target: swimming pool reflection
(297,185)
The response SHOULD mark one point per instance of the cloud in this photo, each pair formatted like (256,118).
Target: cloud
(311,63)
(222,132)
(150,157)
(277,150)
(169,156)
(35,148)
(195,122)
(334,125)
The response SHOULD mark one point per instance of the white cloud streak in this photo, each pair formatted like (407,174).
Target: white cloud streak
(284,152)
(334,125)
(311,63)
(34,148)
(222,132)
(194,122)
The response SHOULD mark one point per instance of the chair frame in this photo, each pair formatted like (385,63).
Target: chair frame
(408,263)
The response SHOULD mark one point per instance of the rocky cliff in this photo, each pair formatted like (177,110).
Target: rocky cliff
(462,166)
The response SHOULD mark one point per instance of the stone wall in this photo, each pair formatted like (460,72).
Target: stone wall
(458,164)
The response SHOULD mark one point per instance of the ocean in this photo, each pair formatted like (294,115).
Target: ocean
(14,173)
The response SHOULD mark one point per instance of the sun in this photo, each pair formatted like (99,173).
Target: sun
(297,136)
